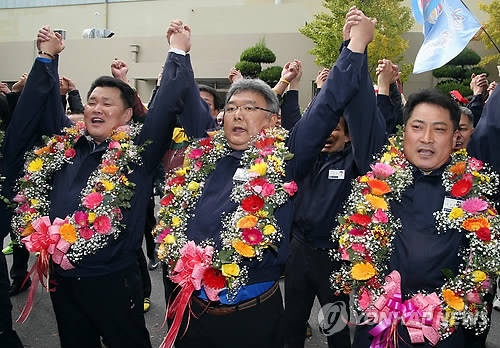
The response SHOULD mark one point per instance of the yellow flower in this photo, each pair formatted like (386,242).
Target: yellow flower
(262,213)
(119,136)
(361,209)
(377,202)
(176,222)
(259,168)
(177,190)
(35,165)
(34,202)
(456,213)
(230,270)
(479,276)
(248,221)
(454,301)
(364,179)
(242,248)
(108,185)
(181,172)
(386,158)
(169,239)
(68,233)
(92,217)
(268,229)
(124,180)
(343,240)
(362,271)
(193,186)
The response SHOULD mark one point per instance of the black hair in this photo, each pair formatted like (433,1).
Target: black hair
(434,97)
(127,94)
(213,92)
(4,112)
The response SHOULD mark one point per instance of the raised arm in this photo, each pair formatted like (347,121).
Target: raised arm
(195,117)
(485,140)
(348,83)
(290,108)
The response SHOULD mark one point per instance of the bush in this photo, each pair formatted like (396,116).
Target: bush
(258,54)
(466,57)
(451,71)
(449,85)
(248,69)
(270,75)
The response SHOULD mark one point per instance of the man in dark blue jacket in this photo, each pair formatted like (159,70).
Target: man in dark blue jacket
(102,295)
(259,324)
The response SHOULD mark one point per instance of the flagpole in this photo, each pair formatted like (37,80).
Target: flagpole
(483,29)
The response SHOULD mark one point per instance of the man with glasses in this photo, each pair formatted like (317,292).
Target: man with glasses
(254,317)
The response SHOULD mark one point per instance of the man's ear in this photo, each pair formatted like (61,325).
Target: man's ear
(273,120)
(127,115)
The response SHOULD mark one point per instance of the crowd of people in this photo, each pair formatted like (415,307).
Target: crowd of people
(252,190)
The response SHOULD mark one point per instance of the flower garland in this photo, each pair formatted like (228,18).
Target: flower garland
(248,231)
(365,236)
(107,191)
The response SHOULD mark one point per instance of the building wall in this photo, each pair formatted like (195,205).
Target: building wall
(221,30)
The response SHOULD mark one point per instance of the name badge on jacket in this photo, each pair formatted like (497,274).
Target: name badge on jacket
(241,174)
(336,174)
(450,203)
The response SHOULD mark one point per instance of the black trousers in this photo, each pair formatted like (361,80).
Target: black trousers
(108,306)
(8,337)
(256,327)
(20,257)
(307,275)
(150,224)
(145,277)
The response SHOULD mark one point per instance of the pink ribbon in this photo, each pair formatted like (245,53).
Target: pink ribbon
(421,315)
(188,273)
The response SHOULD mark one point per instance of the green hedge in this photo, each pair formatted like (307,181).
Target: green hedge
(271,75)
(258,54)
(466,57)
(248,69)
(449,85)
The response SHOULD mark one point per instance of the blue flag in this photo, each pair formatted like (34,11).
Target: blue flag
(448,28)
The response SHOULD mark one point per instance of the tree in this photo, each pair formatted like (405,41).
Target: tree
(493,28)
(251,60)
(393,19)
(456,74)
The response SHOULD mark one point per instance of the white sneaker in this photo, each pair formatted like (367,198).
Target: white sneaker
(496,303)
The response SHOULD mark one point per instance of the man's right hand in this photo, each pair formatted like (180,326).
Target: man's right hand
(362,30)
(478,83)
(19,85)
(234,75)
(179,36)
(49,42)
(321,78)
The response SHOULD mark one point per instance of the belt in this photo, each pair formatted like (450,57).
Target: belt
(219,309)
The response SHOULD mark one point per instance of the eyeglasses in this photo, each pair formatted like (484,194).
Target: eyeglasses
(246,109)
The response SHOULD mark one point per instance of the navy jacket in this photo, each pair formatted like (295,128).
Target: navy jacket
(305,141)
(40,111)
(420,253)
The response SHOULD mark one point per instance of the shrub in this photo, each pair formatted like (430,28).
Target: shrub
(270,75)
(248,69)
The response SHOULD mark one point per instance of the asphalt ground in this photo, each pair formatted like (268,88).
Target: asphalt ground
(40,330)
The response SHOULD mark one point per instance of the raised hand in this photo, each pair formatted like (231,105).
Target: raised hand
(119,70)
(19,85)
(350,20)
(478,83)
(48,42)
(295,83)
(362,30)
(179,35)
(321,77)
(234,75)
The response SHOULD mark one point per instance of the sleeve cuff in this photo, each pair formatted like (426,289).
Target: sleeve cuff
(44,60)
(177,51)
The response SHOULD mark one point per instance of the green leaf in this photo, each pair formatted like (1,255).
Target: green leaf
(225,255)
(448,273)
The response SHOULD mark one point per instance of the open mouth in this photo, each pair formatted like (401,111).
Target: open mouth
(238,130)
(425,152)
(96,120)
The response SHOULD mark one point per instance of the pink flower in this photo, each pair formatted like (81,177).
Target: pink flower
(125,128)
(86,233)
(266,152)
(468,177)
(114,145)
(102,224)
(290,187)
(380,217)
(117,212)
(70,153)
(365,299)
(357,232)
(197,165)
(19,198)
(81,218)
(473,297)
(92,200)
(474,205)
(475,164)
(382,170)
(344,255)
(252,236)
(195,153)
(360,248)
(370,175)
(268,190)
(163,234)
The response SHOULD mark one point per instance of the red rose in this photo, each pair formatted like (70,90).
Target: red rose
(484,234)
(360,219)
(70,153)
(213,278)
(167,199)
(461,188)
(206,142)
(252,204)
(178,180)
